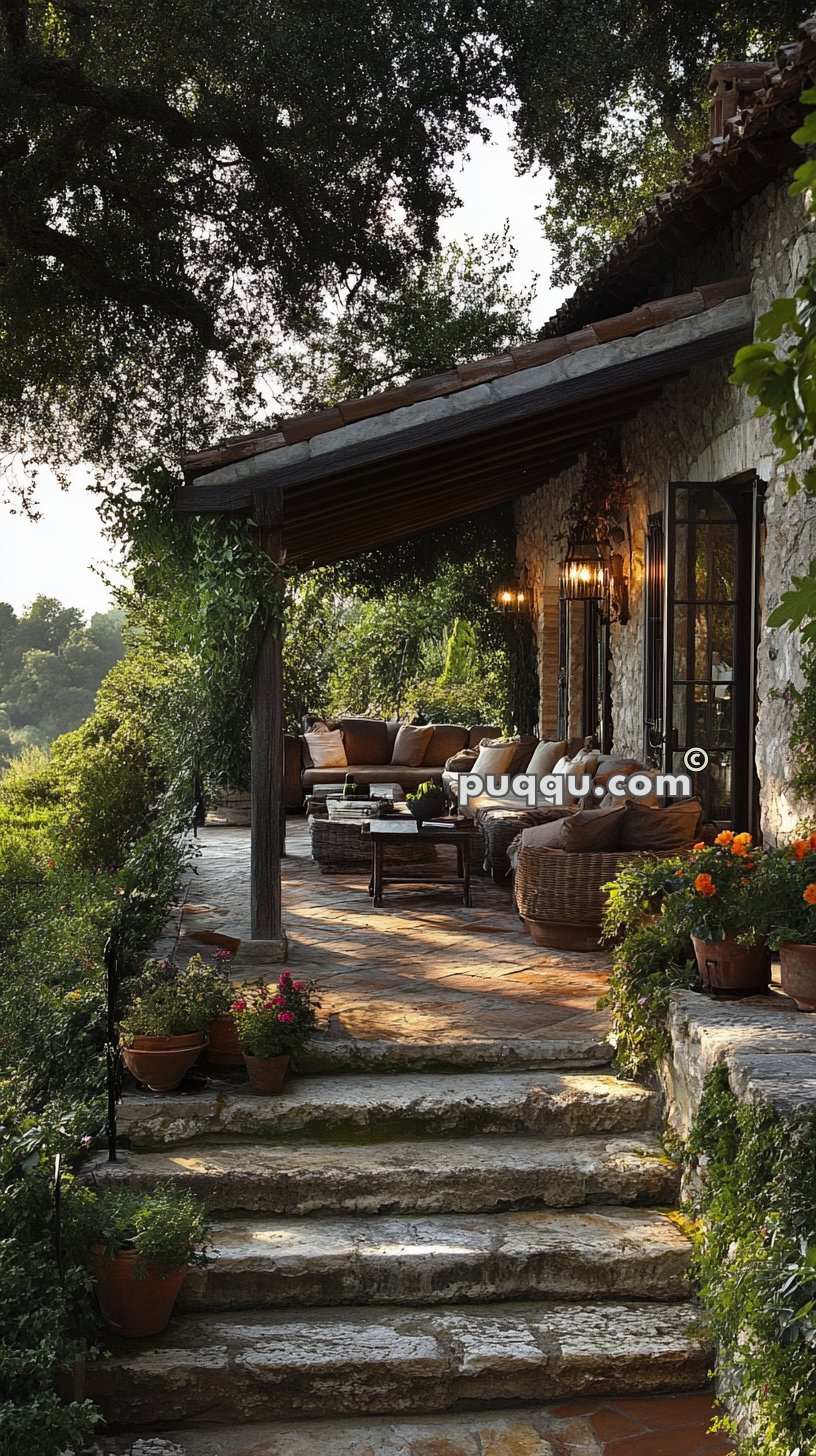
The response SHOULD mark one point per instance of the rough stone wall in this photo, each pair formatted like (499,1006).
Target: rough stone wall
(704,429)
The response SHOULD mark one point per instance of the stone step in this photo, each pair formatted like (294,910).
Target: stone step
(273,1263)
(253,1367)
(333,1055)
(551,1104)
(469,1175)
(646,1423)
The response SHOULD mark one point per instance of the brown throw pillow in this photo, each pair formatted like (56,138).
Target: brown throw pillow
(542,836)
(593,829)
(545,757)
(648,826)
(463,761)
(410,744)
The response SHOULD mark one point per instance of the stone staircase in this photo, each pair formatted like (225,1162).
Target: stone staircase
(390,1243)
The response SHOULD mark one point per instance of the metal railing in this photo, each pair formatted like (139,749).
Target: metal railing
(113,1054)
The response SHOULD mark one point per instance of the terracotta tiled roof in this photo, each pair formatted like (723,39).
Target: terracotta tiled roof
(756,146)
(466,376)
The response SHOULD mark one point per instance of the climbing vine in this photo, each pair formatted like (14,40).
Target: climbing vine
(755,1260)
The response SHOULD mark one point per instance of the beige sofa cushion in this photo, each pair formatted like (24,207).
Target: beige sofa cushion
(410,744)
(494,758)
(326,748)
(545,757)
(366,740)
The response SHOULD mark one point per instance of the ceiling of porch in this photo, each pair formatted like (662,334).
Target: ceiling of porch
(376,470)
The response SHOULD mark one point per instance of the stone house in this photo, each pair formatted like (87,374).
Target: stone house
(654,528)
(698,478)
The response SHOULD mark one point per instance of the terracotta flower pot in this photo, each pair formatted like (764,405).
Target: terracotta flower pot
(266,1074)
(729,969)
(798,974)
(223,1049)
(135,1306)
(162,1062)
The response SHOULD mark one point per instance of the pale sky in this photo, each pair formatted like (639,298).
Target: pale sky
(56,555)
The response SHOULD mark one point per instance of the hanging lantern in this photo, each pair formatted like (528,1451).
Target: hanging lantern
(510,597)
(584,575)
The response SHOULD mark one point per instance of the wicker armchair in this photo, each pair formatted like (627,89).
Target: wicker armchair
(559,895)
(501,826)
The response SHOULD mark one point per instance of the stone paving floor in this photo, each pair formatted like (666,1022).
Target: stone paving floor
(421,968)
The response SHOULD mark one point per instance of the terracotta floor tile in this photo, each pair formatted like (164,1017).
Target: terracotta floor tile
(658,1412)
(612,1425)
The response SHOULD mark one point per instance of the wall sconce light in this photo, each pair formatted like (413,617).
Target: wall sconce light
(594,573)
(584,575)
(511,598)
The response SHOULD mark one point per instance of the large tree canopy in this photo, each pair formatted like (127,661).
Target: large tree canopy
(182,184)
(178,179)
(612,101)
(461,304)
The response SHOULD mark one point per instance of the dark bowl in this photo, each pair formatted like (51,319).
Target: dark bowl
(430,806)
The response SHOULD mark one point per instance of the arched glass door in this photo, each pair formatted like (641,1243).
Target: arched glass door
(710,642)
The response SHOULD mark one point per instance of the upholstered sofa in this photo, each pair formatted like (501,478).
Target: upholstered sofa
(369,744)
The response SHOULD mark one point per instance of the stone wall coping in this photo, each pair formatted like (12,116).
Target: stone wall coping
(765,1042)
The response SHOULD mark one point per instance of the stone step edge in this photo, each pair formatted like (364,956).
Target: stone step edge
(216,1369)
(471,1175)
(608,1253)
(398,1105)
(346,1056)
(524,1429)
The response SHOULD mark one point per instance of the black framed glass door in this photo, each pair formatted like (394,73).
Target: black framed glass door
(709,656)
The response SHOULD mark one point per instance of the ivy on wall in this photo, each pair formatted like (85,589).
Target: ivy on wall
(755,1259)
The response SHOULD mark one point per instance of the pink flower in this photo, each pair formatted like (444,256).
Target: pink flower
(278,1001)
(298,985)
(285,979)
(239,1006)
(285,1016)
(268,1005)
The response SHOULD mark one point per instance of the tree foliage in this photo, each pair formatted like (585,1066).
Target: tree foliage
(51,664)
(458,305)
(178,181)
(612,101)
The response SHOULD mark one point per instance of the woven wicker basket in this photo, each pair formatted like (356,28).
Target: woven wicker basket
(559,896)
(339,845)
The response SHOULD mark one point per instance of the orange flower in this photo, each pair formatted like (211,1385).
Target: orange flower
(724,837)
(739,848)
(742,838)
(704,885)
(698,847)
(809,894)
(799,848)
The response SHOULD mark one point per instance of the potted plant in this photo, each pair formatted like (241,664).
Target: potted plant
(141,1246)
(793,931)
(222,1034)
(274,1022)
(164,1027)
(428,802)
(724,896)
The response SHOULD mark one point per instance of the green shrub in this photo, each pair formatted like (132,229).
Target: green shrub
(651,957)
(47,1311)
(167,1225)
(756,1261)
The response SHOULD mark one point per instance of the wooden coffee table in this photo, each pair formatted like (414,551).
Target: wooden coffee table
(403,831)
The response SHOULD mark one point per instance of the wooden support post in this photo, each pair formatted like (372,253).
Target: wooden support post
(267,755)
